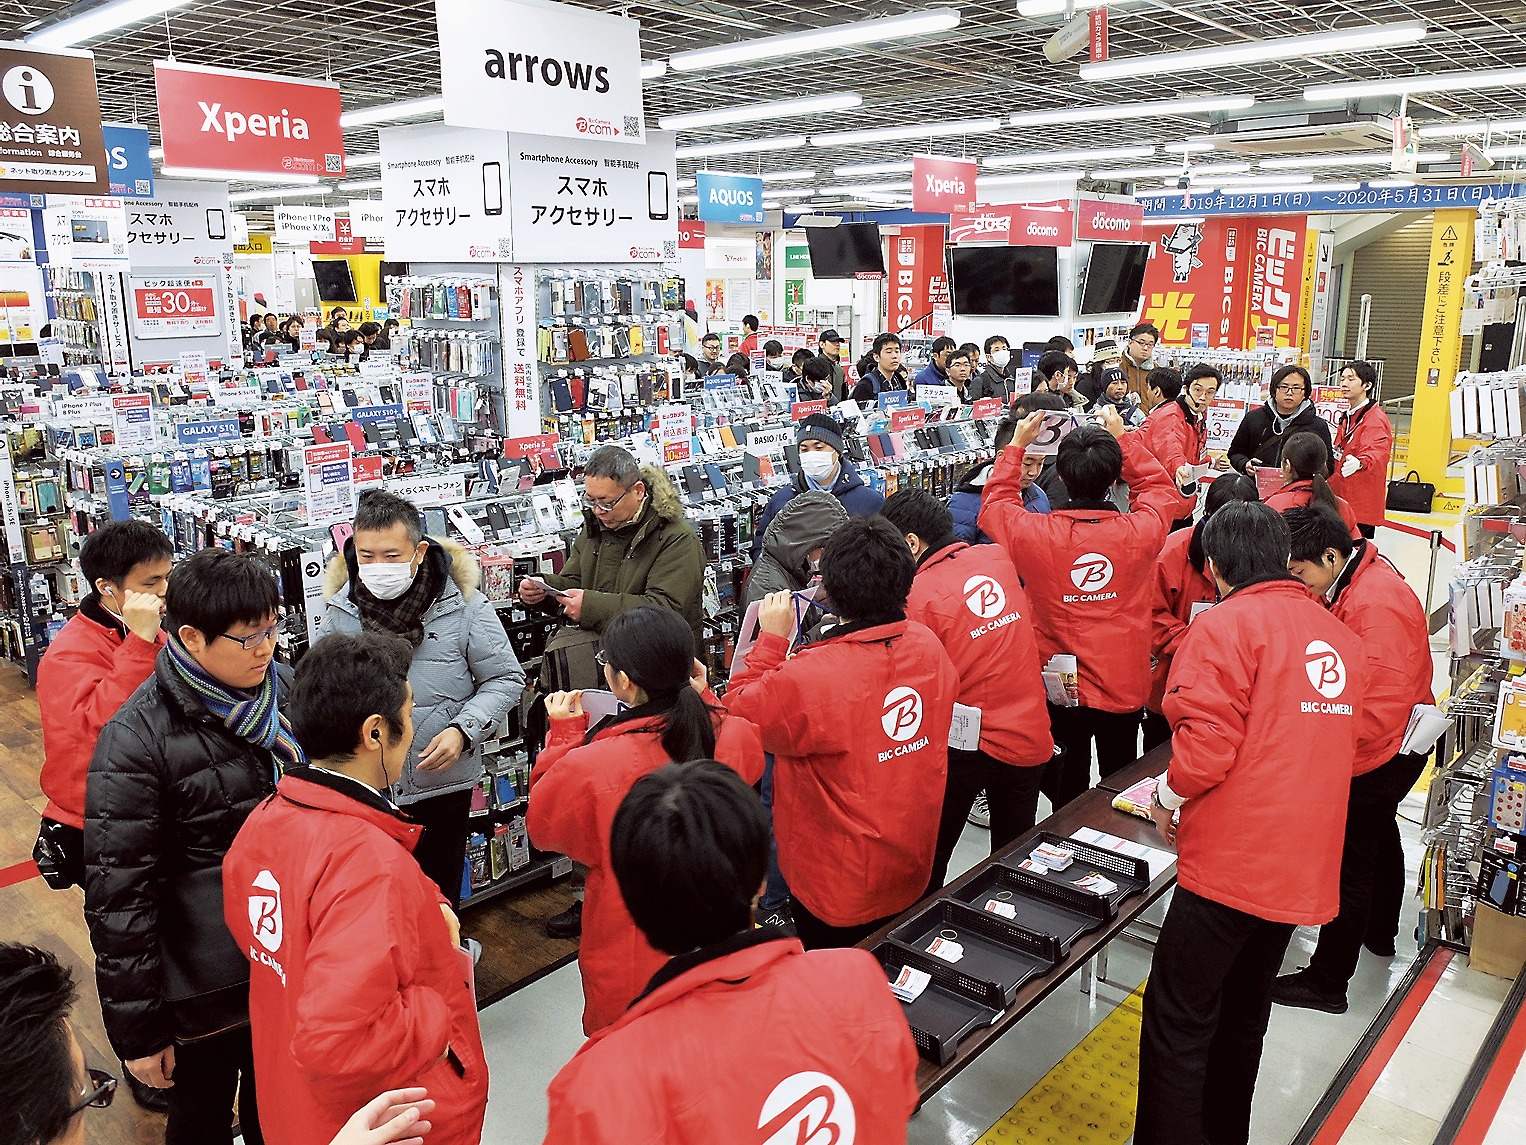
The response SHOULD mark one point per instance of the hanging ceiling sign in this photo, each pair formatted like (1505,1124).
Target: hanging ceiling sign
(1109,221)
(367,219)
(50,122)
(729,198)
(445,194)
(184,224)
(85,232)
(529,65)
(127,160)
(942,186)
(302,225)
(239,121)
(1016,224)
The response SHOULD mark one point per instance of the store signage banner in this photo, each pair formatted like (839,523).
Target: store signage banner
(257,245)
(1276,277)
(23,302)
(1016,224)
(691,234)
(918,281)
(1198,273)
(330,483)
(239,121)
(50,122)
(127,160)
(445,194)
(133,420)
(183,224)
(516,65)
(204,432)
(730,198)
(174,306)
(1100,220)
(302,225)
(1317,202)
(367,219)
(942,186)
(591,201)
(85,233)
(521,397)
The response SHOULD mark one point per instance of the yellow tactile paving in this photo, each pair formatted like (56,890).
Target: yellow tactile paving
(1088,1098)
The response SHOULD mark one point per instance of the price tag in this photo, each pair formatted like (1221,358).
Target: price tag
(910,983)
(946,949)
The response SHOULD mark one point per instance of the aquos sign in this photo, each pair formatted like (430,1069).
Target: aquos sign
(729,198)
(1100,220)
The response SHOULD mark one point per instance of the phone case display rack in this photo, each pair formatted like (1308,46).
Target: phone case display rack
(79,309)
(452,329)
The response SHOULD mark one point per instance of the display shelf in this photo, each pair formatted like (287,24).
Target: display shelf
(546,865)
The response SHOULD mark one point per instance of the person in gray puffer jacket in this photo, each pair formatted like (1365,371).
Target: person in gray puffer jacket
(465,675)
(799,529)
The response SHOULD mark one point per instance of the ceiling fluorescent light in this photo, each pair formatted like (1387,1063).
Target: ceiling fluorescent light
(755,112)
(1389,184)
(1256,51)
(1221,169)
(653,69)
(359,185)
(829,39)
(900,166)
(1350,159)
(99,20)
(1263,184)
(1463,129)
(1032,8)
(1513,151)
(687,184)
(788,176)
(239,176)
(790,192)
(740,147)
(909,131)
(387,112)
(1069,175)
(1425,82)
(1134,173)
(156,153)
(1188,146)
(1150,109)
(766,176)
(1082,155)
(860,188)
(279,193)
(370,159)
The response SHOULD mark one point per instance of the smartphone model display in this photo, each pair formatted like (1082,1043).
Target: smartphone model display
(217,223)
(492,188)
(657,195)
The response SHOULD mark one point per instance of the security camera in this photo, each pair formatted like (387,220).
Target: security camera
(1184,181)
(1069,40)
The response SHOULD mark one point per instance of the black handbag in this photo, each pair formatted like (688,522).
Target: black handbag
(1411,495)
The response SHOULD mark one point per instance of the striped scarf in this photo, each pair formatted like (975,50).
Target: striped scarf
(250,716)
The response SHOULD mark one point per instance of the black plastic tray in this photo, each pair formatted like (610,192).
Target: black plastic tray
(1043,906)
(1132,875)
(994,949)
(949,1010)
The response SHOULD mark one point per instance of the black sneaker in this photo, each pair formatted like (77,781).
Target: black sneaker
(1382,947)
(1298,990)
(779,920)
(151,1099)
(568,924)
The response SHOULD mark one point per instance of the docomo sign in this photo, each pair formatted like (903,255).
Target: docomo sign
(238,121)
(942,186)
(1046,225)
(1100,221)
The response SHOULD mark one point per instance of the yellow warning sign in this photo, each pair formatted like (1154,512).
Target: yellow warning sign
(1440,342)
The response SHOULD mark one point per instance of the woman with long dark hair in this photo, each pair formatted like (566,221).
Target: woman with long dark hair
(1305,468)
(669,716)
(1183,588)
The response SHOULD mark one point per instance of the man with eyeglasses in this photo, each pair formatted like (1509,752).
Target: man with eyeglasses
(1139,356)
(1259,439)
(175,773)
(1176,432)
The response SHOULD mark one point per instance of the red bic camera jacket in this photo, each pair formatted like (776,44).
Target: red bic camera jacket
(751,1041)
(1180,590)
(355,986)
(576,790)
(971,598)
(1171,439)
(1265,703)
(858,725)
(1367,435)
(1089,570)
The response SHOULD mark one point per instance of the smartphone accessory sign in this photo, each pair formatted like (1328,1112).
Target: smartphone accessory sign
(445,194)
(185,223)
(730,198)
(239,121)
(531,65)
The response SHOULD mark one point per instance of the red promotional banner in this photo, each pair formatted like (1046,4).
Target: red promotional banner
(1016,224)
(517,447)
(1207,273)
(167,307)
(239,121)
(942,186)
(986,407)
(1099,220)
(907,417)
(799,411)
(918,280)
(691,234)
(1099,35)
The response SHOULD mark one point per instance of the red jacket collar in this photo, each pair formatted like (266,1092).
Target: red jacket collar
(876,635)
(943,554)
(316,790)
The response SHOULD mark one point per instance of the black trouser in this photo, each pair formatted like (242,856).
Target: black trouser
(1012,794)
(1117,737)
(817,935)
(206,1074)
(1157,730)
(1368,531)
(1371,834)
(1390,884)
(441,850)
(1205,1015)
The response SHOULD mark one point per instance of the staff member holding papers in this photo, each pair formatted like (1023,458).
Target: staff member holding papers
(1368,595)
(971,598)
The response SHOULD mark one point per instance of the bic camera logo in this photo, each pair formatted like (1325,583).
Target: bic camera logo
(984,597)
(1091,572)
(902,718)
(808,1109)
(265,911)
(1326,670)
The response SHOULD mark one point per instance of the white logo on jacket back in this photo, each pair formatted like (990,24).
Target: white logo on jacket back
(808,1109)
(1091,572)
(265,911)
(1326,669)
(903,714)
(984,597)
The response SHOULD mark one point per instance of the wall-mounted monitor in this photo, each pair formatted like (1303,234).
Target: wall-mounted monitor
(1005,281)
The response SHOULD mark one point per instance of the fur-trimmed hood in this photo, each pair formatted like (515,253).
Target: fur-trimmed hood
(665,500)
(460,563)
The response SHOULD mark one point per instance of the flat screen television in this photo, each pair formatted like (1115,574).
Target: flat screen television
(391,270)
(335,282)
(1114,278)
(846,250)
(1002,281)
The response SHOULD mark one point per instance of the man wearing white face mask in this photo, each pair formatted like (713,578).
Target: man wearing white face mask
(993,381)
(465,675)
(822,467)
